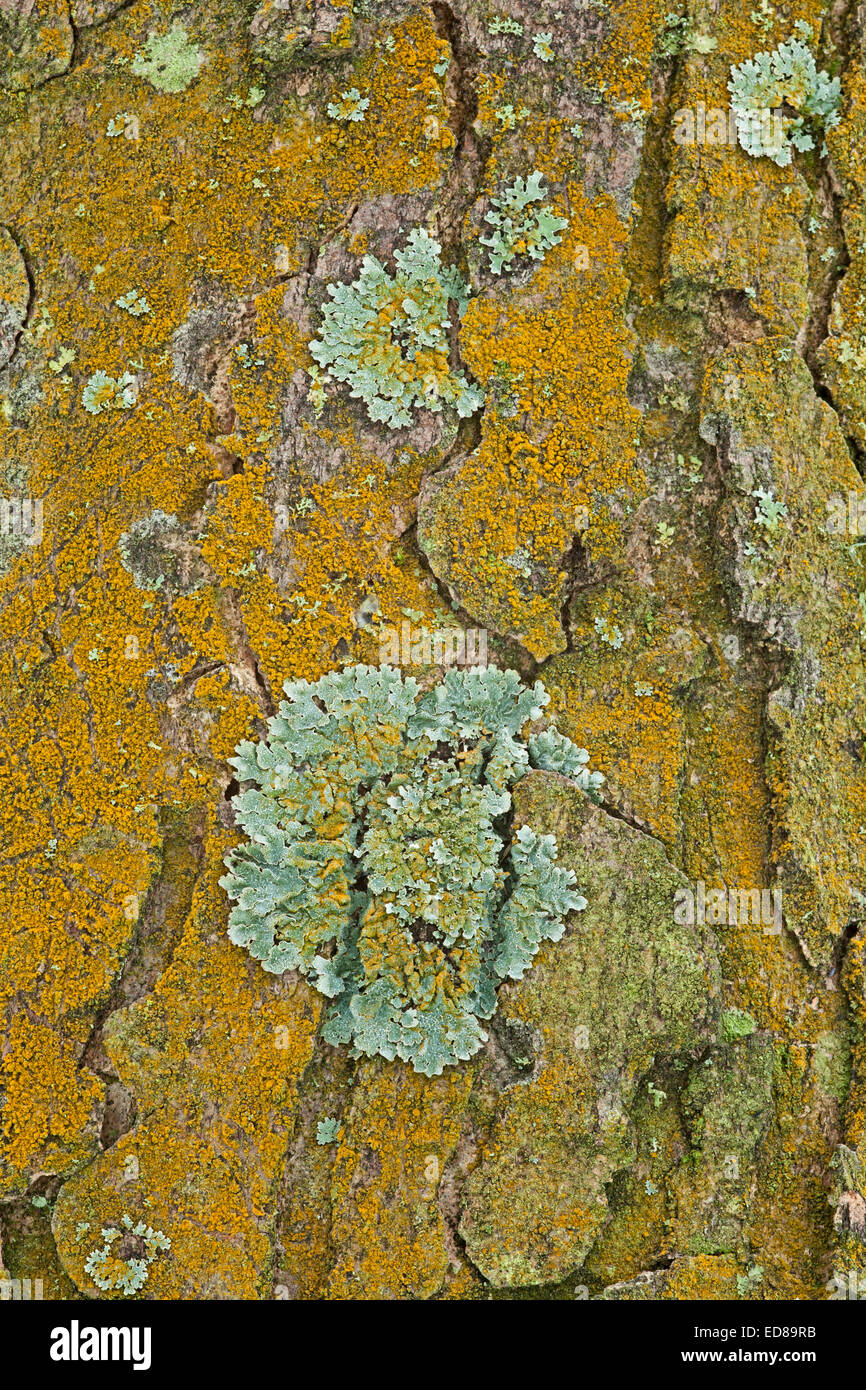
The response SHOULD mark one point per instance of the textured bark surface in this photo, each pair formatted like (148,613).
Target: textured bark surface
(668,1105)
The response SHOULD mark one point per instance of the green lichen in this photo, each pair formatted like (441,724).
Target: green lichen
(170,62)
(504,24)
(849,1169)
(378,861)
(609,633)
(542,47)
(327,1130)
(763,86)
(553,752)
(769,511)
(350,107)
(120,125)
(519,229)
(126,1271)
(751,1280)
(103,392)
(737,1024)
(508,117)
(678,36)
(387,336)
(832,1065)
(134,303)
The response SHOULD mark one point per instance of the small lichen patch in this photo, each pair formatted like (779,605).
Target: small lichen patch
(519,229)
(134,303)
(124,1269)
(170,63)
(350,107)
(387,336)
(104,392)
